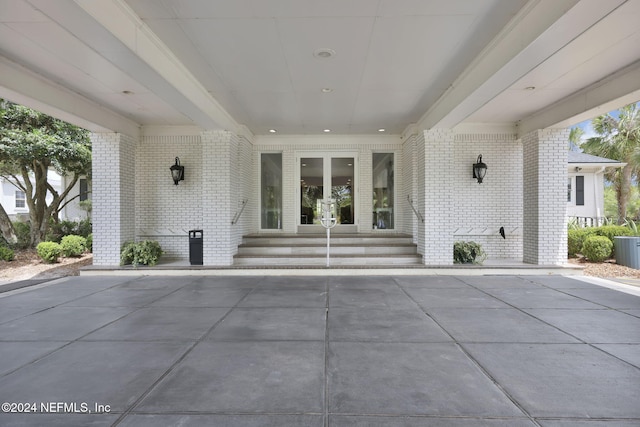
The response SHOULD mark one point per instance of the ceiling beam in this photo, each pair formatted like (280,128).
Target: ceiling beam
(610,93)
(128,43)
(537,32)
(21,86)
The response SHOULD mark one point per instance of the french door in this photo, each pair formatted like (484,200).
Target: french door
(324,176)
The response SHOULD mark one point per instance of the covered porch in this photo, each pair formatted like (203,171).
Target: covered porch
(410,94)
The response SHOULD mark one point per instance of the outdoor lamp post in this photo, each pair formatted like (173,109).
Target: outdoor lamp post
(479,169)
(177,171)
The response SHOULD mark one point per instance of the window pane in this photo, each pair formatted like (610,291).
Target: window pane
(271,194)
(21,199)
(342,189)
(83,189)
(311,189)
(383,191)
(579,190)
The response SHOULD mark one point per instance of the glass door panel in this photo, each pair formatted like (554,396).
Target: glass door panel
(311,189)
(342,189)
(383,191)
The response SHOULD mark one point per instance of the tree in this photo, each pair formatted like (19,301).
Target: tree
(31,143)
(618,139)
(575,138)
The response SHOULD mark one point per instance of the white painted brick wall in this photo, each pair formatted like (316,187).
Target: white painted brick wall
(545,196)
(437,202)
(479,210)
(217,149)
(222,170)
(164,211)
(114,192)
(409,219)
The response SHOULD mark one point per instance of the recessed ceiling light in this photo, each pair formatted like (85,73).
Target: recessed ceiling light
(530,88)
(324,53)
(381,130)
(326,90)
(327,130)
(127,92)
(272,131)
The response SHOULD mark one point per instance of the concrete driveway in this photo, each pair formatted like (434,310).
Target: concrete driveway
(316,351)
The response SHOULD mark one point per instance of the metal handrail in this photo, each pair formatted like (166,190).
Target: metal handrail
(236,217)
(415,211)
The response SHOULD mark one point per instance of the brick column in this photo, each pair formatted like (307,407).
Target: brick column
(114,195)
(434,170)
(217,164)
(545,196)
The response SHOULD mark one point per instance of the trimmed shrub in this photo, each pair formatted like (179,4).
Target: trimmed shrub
(468,253)
(90,242)
(576,238)
(23,233)
(73,246)
(611,231)
(49,251)
(146,252)
(6,254)
(597,248)
(57,230)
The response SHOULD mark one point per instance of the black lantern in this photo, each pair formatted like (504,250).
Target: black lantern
(479,169)
(177,171)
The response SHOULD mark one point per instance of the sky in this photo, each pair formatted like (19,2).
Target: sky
(588,129)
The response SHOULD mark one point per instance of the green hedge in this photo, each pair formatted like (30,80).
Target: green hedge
(468,253)
(576,237)
(73,246)
(597,248)
(6,254)
(146,252)
(49,251)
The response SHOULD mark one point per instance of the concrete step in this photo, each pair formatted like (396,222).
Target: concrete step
(286,250)
(311,250)
(316,239)
(354,260)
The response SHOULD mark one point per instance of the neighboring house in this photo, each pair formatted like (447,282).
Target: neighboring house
(14,200)
(585,187)
(72,210)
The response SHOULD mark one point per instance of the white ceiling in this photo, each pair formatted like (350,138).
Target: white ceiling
(230,63)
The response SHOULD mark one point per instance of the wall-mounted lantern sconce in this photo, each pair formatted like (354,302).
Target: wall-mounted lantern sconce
(177,171)
(479,169)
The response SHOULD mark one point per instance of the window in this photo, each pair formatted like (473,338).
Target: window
(21,199)
(383,191)
(579,190)
(84,189)
(569,190)
(271,191)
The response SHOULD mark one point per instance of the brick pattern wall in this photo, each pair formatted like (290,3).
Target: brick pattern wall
(114,192)
(479,210)
(217,209)
(243,191)
(164,211)
(408,218)
(545,196)
(222,170)
(438,201)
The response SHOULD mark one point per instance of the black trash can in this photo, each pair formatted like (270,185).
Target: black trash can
(195,247)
